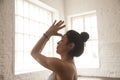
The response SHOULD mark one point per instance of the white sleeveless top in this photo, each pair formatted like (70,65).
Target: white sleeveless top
(52,77)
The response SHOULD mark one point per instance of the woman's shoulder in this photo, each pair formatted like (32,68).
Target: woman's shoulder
(66,72)
(68,68)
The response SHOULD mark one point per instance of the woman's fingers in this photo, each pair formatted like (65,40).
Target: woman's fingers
(62,27)
(59,23)
(56,26)
(58,34)
(54,23)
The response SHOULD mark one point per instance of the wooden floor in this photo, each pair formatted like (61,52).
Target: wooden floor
(96,78)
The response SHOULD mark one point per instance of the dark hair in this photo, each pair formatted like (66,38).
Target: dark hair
(78,40)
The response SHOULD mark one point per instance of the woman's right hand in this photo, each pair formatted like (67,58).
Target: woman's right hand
(55,27)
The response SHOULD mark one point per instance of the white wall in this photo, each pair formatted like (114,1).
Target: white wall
(6,39)
(108,17)
(58,5)
(79,6)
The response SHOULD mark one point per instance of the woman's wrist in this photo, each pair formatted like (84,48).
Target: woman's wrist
(47,35)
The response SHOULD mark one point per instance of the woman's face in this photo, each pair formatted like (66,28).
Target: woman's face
(62,46)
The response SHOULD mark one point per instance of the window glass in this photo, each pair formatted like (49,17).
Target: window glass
(31,21)
(87,23)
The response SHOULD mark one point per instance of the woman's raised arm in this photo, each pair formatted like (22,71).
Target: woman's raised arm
(36,51)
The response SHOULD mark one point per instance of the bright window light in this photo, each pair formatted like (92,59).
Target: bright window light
(87,22)
(31,21)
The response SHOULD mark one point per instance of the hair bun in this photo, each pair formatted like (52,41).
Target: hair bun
(84,36)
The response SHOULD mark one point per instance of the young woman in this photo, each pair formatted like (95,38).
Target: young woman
(71,45)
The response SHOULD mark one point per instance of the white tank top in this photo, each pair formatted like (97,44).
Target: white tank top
(52,77)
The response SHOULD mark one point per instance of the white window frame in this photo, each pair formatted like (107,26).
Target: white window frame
(55,15)
(79,60)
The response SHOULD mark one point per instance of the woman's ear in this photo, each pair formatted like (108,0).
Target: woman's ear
(71,46)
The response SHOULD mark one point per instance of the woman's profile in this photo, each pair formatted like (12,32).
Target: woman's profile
(71,45)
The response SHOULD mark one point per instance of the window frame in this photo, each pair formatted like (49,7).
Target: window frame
(55,15)
(69,24)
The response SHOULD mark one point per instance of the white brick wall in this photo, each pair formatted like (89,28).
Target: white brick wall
(1,49)
(109,31)
(1,45)
(6,39)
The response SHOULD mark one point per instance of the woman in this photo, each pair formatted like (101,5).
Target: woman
(71,45)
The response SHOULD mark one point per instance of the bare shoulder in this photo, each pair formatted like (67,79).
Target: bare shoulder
(68,72)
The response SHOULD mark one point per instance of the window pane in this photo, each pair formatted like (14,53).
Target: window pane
(19,59)
(19,24)
(19,42)
(19,7)
(31,21)
(92,33)
(33,41)
(89,58)
(26,43)
(88,23)
(49,18)
(91,21)
(91,26)
(26,9)
(26,26)
(43,28)
(32,11)
(27,58)
(94,21)
(92,46)
(36,13)
(77,24)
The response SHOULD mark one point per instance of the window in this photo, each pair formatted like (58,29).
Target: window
(31,21)
(87,22)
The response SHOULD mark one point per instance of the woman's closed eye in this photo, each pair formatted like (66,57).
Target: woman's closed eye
(61,40)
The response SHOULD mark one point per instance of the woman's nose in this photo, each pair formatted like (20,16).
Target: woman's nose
(58,42)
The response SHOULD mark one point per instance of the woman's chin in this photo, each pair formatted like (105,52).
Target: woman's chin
(57,52)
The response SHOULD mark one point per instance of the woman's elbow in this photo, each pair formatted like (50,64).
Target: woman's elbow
(32,53)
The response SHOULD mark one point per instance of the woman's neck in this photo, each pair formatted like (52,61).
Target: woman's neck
(67,58)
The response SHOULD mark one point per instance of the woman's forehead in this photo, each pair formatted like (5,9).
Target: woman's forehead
(64,36)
